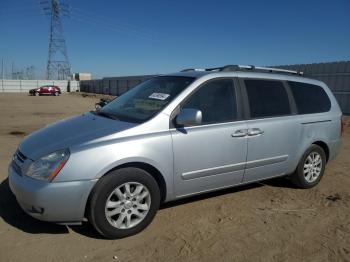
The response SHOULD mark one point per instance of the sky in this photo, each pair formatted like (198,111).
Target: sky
(118,38)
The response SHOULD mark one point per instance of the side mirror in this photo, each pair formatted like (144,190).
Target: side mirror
(189,117)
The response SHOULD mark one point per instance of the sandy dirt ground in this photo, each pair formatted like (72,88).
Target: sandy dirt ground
(269,221)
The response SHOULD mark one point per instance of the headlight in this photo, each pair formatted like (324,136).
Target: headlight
(47,167)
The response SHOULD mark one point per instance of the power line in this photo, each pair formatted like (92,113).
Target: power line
(114,22)
(85,16)
(107,26)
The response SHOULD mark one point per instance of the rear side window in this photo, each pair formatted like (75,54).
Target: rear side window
(310,98)
(267,98)
(217,101)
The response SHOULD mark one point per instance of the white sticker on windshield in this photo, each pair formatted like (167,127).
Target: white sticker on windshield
(159,96)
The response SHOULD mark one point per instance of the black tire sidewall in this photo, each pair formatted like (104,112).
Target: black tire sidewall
(104,188)
(300,170)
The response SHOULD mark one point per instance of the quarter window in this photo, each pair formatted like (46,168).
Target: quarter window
(217,101)
(267,98)
(309,98)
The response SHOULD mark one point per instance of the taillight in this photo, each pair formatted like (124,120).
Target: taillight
(342,125)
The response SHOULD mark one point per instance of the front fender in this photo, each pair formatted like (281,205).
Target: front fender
(94,162)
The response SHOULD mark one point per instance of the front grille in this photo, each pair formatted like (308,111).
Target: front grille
(17,162)
(21,158)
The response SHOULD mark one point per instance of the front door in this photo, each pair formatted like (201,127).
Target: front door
(211,155)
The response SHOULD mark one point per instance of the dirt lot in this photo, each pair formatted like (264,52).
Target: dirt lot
(270,221)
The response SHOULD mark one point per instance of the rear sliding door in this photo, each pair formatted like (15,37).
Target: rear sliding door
(273,133)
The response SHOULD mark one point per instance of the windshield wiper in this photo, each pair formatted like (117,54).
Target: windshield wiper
(104,114)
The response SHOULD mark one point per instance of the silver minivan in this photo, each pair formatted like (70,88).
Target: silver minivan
(175,136)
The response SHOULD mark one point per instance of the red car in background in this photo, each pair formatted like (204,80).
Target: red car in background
(46,90)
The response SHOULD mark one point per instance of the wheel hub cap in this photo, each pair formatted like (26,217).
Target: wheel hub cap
(312,167)
(127,205)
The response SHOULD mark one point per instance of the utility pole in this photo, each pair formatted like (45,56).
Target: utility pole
(2,69)
(2,75)
(58,66)
(12,71)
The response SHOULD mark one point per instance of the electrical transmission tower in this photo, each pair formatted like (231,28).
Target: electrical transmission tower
(58,66)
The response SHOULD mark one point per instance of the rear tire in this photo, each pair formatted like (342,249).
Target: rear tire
(123,202)
(56,94)
(310,168)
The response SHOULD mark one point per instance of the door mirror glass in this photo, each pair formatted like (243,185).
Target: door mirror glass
(189,117)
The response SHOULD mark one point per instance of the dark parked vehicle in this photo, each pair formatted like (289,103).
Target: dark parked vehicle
(102,103)
(46,90)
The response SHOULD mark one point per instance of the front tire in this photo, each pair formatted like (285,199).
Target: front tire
(310,168)
(123,202)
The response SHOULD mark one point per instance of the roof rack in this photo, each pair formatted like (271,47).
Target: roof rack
(230,68)
(193,69)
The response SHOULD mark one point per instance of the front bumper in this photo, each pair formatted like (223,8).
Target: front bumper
(60,202)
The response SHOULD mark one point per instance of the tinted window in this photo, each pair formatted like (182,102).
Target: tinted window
(310,98)
(267,98)
(216,100)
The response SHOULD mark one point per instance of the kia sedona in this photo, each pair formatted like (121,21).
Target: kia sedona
(176,136)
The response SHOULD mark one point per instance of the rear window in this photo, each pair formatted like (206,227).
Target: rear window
(310,98)
(267,98)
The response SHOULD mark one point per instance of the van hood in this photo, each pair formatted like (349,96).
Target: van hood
(70,132)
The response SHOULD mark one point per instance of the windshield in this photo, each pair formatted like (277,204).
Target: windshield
(146,99)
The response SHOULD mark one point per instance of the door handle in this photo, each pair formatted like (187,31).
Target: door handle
(255,132)
(240,133)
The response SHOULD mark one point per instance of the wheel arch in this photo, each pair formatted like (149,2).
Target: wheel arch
(319,142)
(153,171)
(324,146)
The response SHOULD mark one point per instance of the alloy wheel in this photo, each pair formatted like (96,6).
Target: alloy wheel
(127,205)
(312,167)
